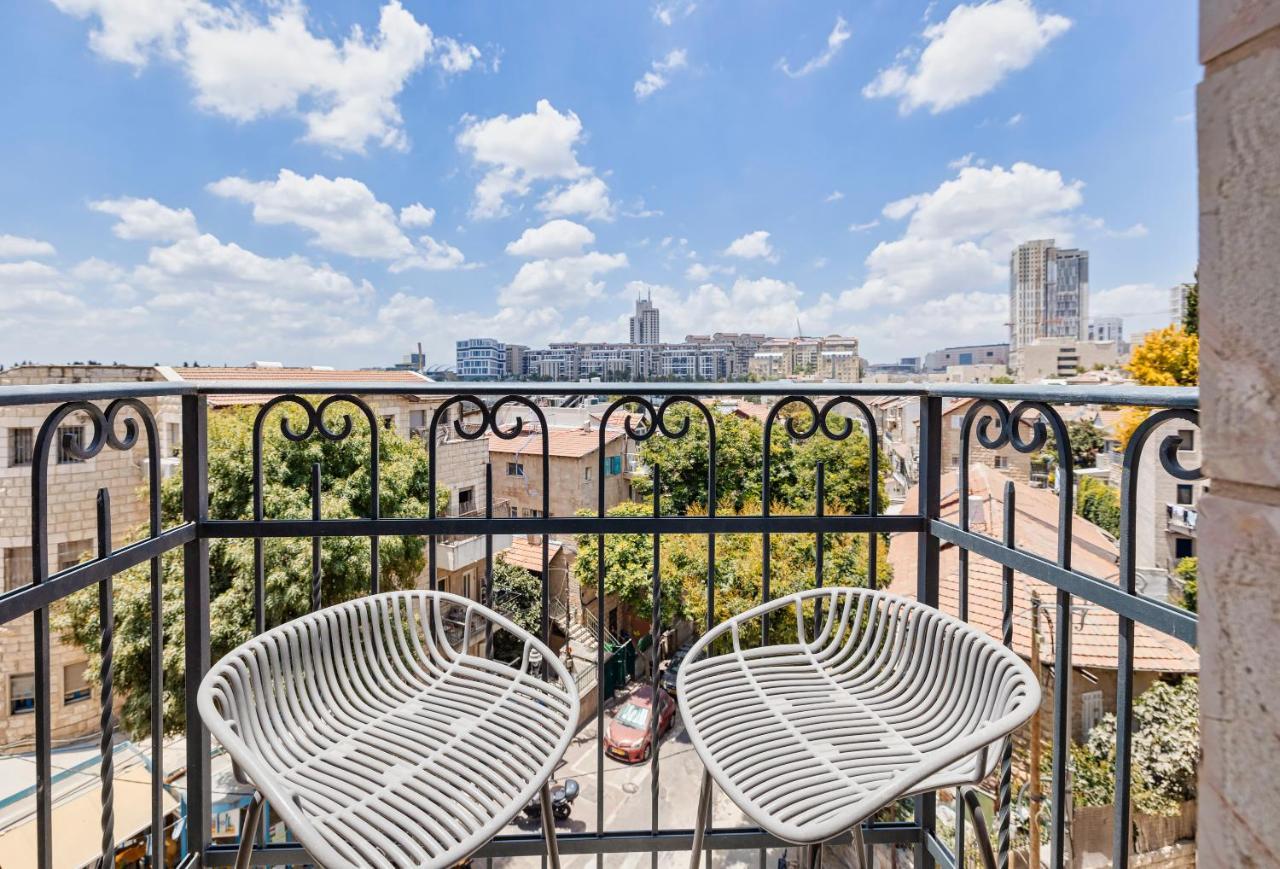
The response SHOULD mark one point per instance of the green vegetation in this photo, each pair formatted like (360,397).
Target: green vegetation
(1100,504)
(517,594)
(1166,749)
(1188,572)
(287,561)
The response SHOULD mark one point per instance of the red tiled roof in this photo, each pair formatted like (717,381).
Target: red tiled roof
(1094,630)
(522,553)
(573,443)
(752,410)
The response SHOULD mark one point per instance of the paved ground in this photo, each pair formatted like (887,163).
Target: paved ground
(628,801)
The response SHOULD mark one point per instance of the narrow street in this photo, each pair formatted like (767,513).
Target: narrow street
(628,803)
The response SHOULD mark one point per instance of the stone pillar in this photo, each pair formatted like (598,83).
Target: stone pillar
(1238,120)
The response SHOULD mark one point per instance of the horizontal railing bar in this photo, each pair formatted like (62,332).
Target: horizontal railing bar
(213,528)
(624,842)
(56,393)
(1155,614)
(1149,396)
(29,598)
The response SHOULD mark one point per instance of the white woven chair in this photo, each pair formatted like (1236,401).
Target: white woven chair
(881,698)
(380,743)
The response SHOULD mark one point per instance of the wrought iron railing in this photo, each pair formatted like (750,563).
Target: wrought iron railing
(120,417)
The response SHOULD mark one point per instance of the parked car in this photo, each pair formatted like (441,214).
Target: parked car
(629,734)
(673,668)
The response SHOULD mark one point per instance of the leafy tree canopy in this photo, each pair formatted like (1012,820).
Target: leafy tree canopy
(1100,504)
(1188,572)
(287,561)
(1166,749)
(1168,357)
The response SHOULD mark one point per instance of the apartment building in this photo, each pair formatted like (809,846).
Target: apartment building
(72,533)
(834,357)
(574,461)
(481,359)
(1106,329)
(1059,358)
(644,323)
(1048,294)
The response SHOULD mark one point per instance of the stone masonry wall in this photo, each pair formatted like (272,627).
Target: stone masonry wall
(1238,122)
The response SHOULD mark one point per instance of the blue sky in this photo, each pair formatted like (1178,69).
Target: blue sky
(332,182)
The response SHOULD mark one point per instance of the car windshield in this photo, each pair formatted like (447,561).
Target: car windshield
(632,716)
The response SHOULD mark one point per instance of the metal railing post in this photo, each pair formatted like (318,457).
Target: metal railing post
(195,597)
(927,574)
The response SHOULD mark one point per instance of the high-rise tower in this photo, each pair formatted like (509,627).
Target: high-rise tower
(644,324)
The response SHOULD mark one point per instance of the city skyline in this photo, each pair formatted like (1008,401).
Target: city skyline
(474,179)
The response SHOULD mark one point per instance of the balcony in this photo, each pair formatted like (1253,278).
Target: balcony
(1181,519)
(940,557)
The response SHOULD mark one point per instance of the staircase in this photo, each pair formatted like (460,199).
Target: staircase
(579,625)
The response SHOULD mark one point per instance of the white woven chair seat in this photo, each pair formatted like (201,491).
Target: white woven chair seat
(881,699)
(377,741)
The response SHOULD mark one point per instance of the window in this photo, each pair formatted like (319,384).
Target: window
(533,514)
(515,469)
(1186,493)
(175,438)
(586,473)
(17,567)
(21,446)
(73,552)
(1188,438)
(955,461)
(466,584)
(1183,547)
(1000,461)
(1090,710)
(75,685)
(417,419)
(389,421)
(73,434)
(515,511)
(22,693)
(466,500)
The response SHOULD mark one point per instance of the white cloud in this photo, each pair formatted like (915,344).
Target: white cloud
(130,32)
(147,220)
(836,39)
(833,196)
(667,12)
(570,280)
(244,67)
(968,159)
(761,304)
(518,151)
(699,272)
(1014,120)
(753,245)
(588,197)
(1145,301)
(863,227)
(417,214)
(555,238)
(343,216)
(957,239)
(659,74)
(18,247)
(968,55)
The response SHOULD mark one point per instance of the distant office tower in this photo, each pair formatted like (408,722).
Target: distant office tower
(644,325)
(1178,303)
(1106,329)
(1048,293)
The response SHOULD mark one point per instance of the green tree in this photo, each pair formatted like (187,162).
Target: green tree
(1191,317)
(1187,571)
(517,594)
(1166,750)
(1167,357)
(1099,503)
(1086,442)
(287,561)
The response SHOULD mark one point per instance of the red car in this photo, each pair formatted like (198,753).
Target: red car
(630,731)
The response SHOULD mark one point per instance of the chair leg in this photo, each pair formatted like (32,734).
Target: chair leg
(971,802)
(549,826)
(860,847)
(249,831)
(704,815)
(813,856)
